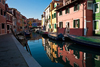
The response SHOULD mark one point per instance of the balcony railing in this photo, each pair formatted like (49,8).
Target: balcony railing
(69,1)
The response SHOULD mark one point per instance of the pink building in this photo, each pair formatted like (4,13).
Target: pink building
(75,17)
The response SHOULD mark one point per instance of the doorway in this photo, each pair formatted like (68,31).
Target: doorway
(8,29)
(67,28)
(0,28)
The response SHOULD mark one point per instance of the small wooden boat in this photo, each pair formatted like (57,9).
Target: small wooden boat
(85,41)
(27,33)
(56,36)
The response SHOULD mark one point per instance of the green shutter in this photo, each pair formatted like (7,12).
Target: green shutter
(74,23)
(78,6)
(49,26)
(74,8)
(65,11)
(61,12)
(54,25)
(49,17)
(78,23)
(54,15)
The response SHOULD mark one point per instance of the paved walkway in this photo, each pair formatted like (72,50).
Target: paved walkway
(12,53)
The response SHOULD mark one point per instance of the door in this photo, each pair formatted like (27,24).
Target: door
(67,27)
(7,28)
(0,28)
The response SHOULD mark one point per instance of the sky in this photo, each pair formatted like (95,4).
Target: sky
(29,8)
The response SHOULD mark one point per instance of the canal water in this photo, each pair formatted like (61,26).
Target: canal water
(50,53)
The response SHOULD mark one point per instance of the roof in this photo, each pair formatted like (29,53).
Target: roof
(66,5)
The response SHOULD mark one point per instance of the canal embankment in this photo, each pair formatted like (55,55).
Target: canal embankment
(13,54)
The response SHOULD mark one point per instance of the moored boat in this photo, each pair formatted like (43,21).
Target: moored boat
(85,41)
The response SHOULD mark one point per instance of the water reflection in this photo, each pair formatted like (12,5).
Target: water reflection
(71,55)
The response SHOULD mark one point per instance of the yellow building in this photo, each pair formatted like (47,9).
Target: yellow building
(53,22)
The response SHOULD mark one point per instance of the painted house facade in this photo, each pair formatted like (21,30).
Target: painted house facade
(14,20)
(2,18)
(96,17)
(18,20)
(9,17)
(53,18)
(47,21)
(76,17)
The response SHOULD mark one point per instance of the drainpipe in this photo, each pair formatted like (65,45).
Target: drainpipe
(84,21)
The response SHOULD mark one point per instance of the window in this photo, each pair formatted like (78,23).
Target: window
(0,0)
(60,13)
(3,2)
(76,7)
(77,54)
(55,5)
(49,17)
(4,13)
(54,15)
(76,23)
(89,4)
(96,8)
(1,12)
(3,25)
(61,24)
(67,10)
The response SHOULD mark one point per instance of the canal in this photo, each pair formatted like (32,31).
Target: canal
(50,53)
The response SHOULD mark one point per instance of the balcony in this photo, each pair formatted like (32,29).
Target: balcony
(69,1)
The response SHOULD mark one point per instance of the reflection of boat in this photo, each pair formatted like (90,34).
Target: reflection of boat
(81,40)
(27,33)
(55,36)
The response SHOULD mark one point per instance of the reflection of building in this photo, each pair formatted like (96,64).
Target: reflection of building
(75,58)
(68,55)
(51,49)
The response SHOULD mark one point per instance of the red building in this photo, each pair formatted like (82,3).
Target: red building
(75,17)
(2,18)
(9,17)
(18,21)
